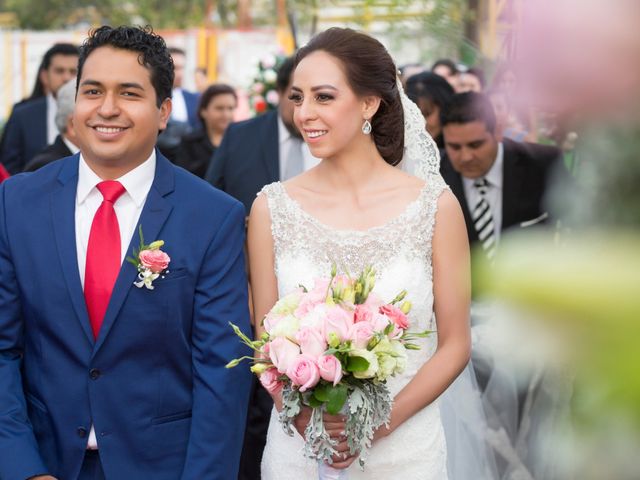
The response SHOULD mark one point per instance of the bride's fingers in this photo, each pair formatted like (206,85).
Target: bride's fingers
(334,418)
(343,463)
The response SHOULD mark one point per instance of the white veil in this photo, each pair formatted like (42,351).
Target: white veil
(469,454)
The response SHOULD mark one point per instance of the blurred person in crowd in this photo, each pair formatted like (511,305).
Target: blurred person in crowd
(31,126)
(472,80)
(408,70)
(201,79)
(216,109)
(184,115)
(262,150)
(448,70)
(252,154)
(500,184)
(518,118)
(431,93)
(66,143)
(134,384)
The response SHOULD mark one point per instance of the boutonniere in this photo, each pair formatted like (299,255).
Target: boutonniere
(150,261)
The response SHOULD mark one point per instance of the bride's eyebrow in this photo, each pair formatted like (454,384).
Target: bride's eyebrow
(316,88)
(323,87)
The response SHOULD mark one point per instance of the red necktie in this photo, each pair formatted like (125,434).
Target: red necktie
(103,255)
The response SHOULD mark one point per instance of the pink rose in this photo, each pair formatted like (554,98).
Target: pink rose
(380,322)
(303,372)
(360,334)
(330,369)
(396,315)
(154,260)
(313,298)
(374,300)
(363,313)
(311,341)
(271,382)
(337,321)
(282,352)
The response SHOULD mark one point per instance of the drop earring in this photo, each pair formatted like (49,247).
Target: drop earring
(366,127)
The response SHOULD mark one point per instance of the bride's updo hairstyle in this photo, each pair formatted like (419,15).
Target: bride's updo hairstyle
(370,70)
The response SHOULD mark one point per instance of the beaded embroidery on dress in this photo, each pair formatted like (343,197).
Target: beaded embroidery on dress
(400,251)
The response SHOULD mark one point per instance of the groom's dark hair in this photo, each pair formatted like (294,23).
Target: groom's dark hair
(153,53)
(370,70)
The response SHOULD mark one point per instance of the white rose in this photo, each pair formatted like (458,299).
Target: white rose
(287,327)
(400,356)
(287,304)
(387,364)
(371,358)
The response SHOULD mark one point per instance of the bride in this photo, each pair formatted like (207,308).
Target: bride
(357,208)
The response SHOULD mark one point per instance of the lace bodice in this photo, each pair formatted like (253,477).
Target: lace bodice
(400,251)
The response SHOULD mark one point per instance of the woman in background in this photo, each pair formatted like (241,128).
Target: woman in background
(216,109)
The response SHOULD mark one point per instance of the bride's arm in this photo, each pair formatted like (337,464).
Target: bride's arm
(264,286)
(452,297)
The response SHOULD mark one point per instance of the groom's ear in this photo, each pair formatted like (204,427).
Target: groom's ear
(370,105)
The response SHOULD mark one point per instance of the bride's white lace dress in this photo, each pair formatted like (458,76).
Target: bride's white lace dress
(400,251)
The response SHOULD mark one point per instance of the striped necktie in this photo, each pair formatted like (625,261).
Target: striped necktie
(483,219)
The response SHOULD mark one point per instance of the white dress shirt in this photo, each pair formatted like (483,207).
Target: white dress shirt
(178,106)
(52,129)
(494,190)
(285,142)
(128,208)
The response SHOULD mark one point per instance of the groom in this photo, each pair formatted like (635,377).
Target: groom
(101,378)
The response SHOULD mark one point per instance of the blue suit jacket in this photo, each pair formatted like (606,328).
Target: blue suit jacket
(247,158)
(25,134)
(153,383)
(191,99)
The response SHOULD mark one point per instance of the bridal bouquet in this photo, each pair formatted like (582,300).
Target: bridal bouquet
(333,348)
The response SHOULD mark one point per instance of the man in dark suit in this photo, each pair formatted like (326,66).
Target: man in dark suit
(66,142)
(262,150)
(31,126)
(111,368)
(184,116)
(500,184)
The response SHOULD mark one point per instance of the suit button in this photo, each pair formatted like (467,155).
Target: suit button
(94,373)
(82,432)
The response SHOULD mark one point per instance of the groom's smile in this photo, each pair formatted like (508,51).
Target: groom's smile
(117,117)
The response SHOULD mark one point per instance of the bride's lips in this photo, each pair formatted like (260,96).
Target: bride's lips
(314,135)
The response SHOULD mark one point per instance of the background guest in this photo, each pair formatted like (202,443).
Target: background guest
(216,109)
(431,93)
(66,143)
(448,70)
(472,80)
(184,113)
(31,126)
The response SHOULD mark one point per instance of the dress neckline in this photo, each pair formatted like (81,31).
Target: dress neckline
(406,211)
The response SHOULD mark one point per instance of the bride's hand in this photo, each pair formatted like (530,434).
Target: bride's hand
(335,426)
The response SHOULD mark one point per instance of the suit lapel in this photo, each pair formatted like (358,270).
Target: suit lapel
(512,179)
(154,214)
(454,180)
(63,214)
(270,141)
